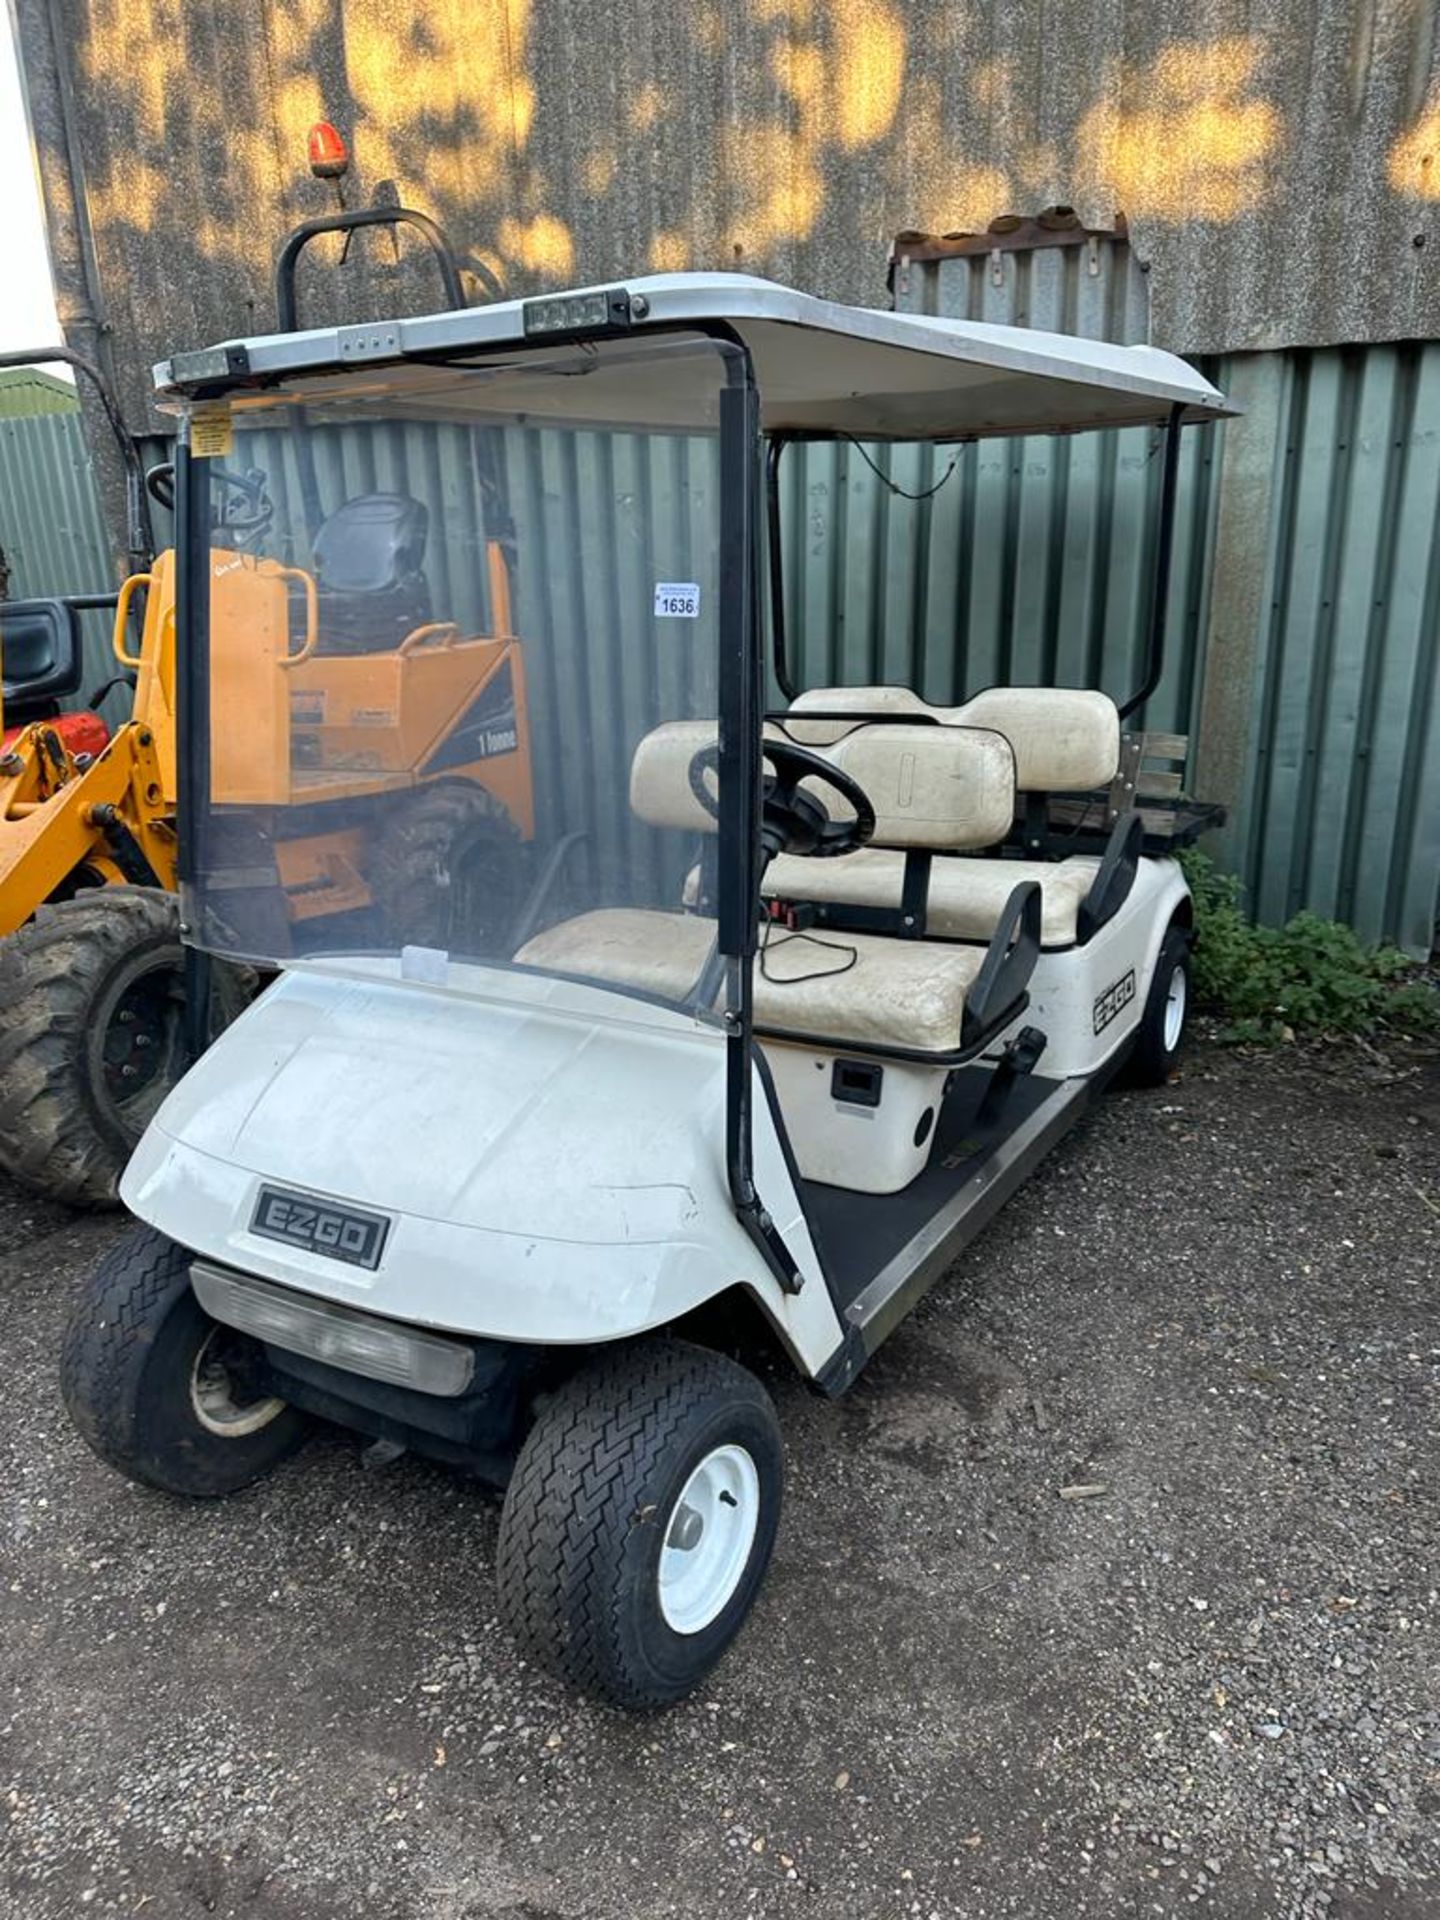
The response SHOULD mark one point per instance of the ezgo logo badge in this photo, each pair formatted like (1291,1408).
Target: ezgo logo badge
(1113,999)
(339,1233)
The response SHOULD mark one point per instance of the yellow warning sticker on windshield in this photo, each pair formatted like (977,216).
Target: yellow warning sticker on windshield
(211,434)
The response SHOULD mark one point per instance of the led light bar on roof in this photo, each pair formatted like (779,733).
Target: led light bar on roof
(210,363)
(602,310)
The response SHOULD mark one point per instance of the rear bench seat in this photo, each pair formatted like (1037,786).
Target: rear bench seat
(817,1001)
(1065,740)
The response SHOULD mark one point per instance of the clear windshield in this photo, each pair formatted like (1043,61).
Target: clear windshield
(447,607)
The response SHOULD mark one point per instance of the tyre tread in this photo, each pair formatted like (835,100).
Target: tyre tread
(50,970)
(112,1318)
(582,1468)
(413,847)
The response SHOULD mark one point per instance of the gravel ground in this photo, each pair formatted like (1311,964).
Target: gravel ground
(1110,1589)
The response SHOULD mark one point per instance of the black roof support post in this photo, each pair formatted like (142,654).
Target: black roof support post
(775,565)
(1160,581)
(192,716)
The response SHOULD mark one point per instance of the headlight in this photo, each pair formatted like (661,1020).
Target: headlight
(340,1336)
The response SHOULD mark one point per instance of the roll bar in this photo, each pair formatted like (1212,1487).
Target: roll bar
(286,309)
(287,315)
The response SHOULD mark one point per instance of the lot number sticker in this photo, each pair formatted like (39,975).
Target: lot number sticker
(677,600)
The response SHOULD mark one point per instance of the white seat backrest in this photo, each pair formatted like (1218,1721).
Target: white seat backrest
(931,787)
(660,790)
(1065,739)
(939,788)
(873,702)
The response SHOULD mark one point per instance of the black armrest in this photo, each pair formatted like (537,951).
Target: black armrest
(1111,886)
(999,987)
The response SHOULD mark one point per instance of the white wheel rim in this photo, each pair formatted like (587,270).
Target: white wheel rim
(1175,997)
(212,1395)
(708,1536)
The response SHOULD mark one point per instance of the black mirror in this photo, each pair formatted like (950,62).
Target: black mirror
(40,661)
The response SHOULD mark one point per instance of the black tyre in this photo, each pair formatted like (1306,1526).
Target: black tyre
(640,1520)
(158,1389)
(1161,1033)
(92,1036)
(448,870)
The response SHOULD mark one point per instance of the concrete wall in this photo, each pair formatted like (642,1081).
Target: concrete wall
(1278,160)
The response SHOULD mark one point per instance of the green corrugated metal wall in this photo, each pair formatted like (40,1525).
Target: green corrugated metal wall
(1342,808)
(1030,564)
(51,528)
(27,391)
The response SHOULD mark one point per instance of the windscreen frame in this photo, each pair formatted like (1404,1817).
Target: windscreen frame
(740,665)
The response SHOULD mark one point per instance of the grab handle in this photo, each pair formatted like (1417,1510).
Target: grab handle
(122,616)
(419,636)
(312,615)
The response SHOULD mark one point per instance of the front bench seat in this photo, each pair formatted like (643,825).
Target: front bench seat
(906,994)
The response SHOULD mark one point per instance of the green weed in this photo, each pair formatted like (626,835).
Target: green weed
(1311,976)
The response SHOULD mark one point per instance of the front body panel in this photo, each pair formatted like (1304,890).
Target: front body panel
(577,1195)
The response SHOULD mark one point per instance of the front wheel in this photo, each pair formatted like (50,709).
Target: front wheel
(1161,1033)
(640,1520)
(158,1389)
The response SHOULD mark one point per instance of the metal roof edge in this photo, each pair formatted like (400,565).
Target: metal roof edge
(676,299)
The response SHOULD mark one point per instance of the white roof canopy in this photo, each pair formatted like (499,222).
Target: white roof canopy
(822,368)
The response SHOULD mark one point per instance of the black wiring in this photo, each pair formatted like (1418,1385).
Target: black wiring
(893,485)
(852,957)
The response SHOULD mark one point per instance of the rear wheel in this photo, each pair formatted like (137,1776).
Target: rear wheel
(639,1521)
(158,1389)
(448,870)
(1161,1033)
(91,1036)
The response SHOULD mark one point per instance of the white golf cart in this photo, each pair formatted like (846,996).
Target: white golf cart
(800,992)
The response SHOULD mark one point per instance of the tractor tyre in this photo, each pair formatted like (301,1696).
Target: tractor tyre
(92,1036)
(448,870)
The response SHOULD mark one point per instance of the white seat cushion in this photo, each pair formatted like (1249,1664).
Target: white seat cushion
(966,898)
(659,953)
(897,993)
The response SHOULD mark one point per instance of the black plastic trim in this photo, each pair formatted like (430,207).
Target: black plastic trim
(775,567)
(1114,878)
(1008,964)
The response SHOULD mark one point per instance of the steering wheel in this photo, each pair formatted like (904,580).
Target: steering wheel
(249,490)
(793,821)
